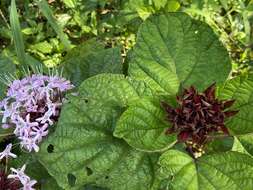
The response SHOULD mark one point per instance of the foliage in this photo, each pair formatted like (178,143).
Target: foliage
(231,20)
(90,141)
(125,58)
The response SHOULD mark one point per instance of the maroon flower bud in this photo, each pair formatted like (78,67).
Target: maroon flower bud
(8,184)
(198,116)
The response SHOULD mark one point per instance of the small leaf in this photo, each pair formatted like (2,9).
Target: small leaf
(172,5)
(230,170)
(43,47)
(159,4)
(143,126)
(70,3)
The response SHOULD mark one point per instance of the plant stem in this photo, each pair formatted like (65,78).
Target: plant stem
(6,134)
(5,20)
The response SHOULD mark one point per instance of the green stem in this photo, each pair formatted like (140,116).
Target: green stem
(6,134)
(6,165)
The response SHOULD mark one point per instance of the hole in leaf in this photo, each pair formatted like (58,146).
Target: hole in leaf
(50,148)
(88,171)
(71,180)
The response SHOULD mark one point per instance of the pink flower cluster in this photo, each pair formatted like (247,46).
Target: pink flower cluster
(31,106)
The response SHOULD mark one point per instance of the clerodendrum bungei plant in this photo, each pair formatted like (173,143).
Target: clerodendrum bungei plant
(178,121)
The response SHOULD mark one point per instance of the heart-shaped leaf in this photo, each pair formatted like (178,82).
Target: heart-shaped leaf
(83,151)
(173,49)
(230,170)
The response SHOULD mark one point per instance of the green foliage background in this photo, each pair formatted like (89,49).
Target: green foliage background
(50,29)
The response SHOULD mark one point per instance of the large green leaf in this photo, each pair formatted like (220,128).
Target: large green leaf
(143,126)
(173,50)
(239,89)
(82,150)
(114,90)
(225,171)
(90,59)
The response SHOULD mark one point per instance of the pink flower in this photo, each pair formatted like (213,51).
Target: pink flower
(29,143)
(46,118)
(7,152)
(29,185)
(40,132)
(19,174)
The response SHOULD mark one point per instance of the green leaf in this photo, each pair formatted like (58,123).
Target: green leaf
(239,89)
(172,5)
(224,171)
(114,90)
(47,12)
(220,145)
(238,145)
(70,3)
(89,60)
(159,3)
(173,50)
(144,8)
(143,126)
(17,34)
(50,184)
(82,150)
(43,47)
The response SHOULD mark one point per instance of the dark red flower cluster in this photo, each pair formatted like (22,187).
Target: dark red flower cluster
(198,116)
(8,184)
